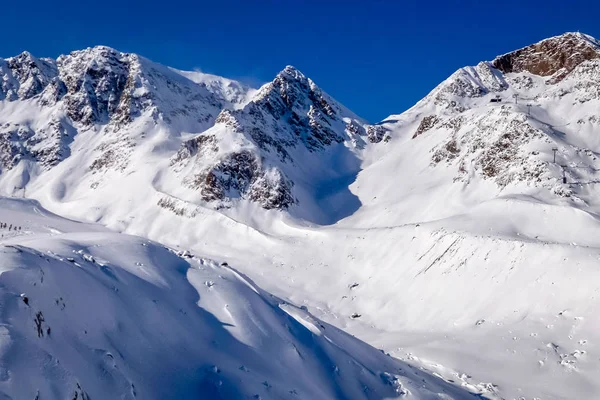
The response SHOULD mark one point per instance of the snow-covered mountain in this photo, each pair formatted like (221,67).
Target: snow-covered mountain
(285,148)
(216,142)
(484,126)
(449,235)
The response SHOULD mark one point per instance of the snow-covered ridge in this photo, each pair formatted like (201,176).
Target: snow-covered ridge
(233,91)
(123,105)
(100,85)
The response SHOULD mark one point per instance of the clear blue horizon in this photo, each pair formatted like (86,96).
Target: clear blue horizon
(377,58)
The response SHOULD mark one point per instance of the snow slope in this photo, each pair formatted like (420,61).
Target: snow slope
(233,91)
(444,235)
(88,313)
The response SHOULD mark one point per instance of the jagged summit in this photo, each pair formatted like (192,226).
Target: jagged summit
(282,143)
(99,50)
(290,85)
(557,55)
(291,72)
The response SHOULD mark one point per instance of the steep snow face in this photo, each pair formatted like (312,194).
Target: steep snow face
(233,91)
(454,93)
(87,314)
(474,219)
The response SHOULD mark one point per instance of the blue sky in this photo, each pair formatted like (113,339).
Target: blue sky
(376,57)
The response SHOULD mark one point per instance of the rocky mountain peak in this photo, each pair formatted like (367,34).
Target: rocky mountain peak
(292,73)
(499,120)
(299,111)
(556,56)
(290,87)
(106,86)
(24,57)
(90,53)
(95,79)
(24,76)
(289,121)
(291,92)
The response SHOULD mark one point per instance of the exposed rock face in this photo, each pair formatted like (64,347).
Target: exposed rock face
(493,145)
(558,55)
(48,146)
(191,147)
(272,190)
(426,124)
(25,76)
(232,173)
(235,174)
(307,113)
(239,174)
(114,155)
(103,86)
(292,110)
(376,133)
(107,86)
(95,80)
(583,81)
(12,149)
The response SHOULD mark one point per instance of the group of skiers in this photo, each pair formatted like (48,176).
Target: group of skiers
(3,225)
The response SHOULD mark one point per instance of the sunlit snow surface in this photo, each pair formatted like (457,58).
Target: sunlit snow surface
(90,314)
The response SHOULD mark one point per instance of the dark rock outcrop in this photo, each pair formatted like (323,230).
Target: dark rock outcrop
(241,174)
(305,108)
(24,76)
(426,124)
(558,55)
(376,133)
